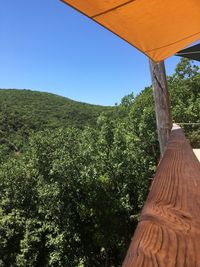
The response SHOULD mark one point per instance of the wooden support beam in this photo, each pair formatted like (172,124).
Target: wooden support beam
(168,232)
(162,103)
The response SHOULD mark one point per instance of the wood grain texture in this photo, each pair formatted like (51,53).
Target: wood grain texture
(168,233)
(162,103)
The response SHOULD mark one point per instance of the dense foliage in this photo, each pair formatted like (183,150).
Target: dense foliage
(184,88)
(72,196)
(23,112)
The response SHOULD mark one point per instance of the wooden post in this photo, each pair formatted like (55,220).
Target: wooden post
(162,103)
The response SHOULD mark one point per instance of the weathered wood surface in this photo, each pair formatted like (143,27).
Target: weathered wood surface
(162,103)
(168,234)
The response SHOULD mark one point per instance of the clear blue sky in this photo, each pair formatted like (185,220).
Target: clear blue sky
(47,46)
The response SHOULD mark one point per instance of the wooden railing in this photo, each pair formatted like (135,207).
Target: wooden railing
(168,233)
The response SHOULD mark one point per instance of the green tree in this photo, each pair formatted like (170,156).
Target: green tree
(184,87)
(71,196)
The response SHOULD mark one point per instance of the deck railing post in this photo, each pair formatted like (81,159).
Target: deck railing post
(162,103)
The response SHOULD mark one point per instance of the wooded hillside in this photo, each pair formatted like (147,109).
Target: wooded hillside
(72,183)
(23,112)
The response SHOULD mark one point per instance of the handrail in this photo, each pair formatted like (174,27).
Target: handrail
(168,233)
(188,123)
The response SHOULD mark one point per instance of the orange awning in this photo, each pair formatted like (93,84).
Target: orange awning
(158,28)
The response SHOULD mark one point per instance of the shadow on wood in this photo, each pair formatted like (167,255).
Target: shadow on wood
(168,233)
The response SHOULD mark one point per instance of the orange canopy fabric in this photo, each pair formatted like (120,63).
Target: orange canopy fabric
(158,28)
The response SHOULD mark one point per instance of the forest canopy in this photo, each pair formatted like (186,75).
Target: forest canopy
(74,177)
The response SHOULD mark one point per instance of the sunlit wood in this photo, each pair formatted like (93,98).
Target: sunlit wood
(168,234)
